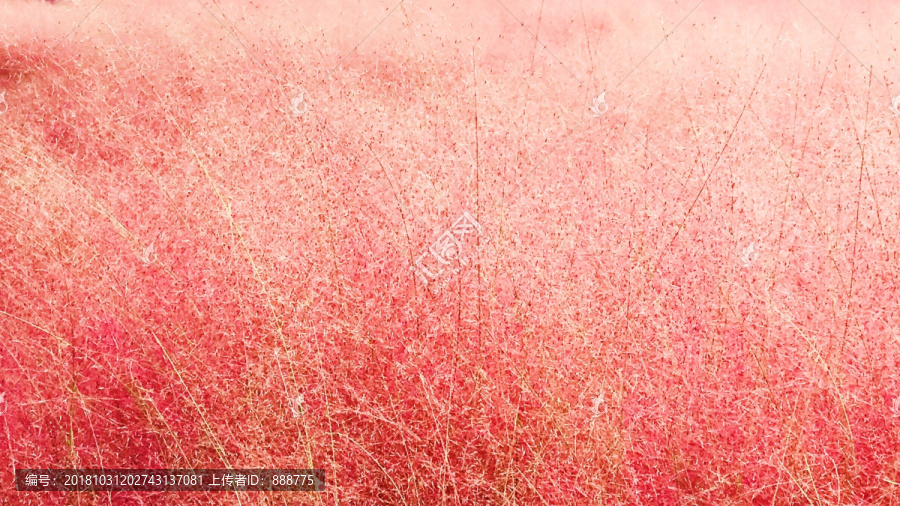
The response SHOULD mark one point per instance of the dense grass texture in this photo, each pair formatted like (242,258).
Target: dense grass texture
(210,212)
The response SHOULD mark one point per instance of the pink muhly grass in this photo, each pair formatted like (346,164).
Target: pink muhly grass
(676,301)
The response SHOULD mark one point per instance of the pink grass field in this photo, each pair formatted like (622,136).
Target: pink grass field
(691,298)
